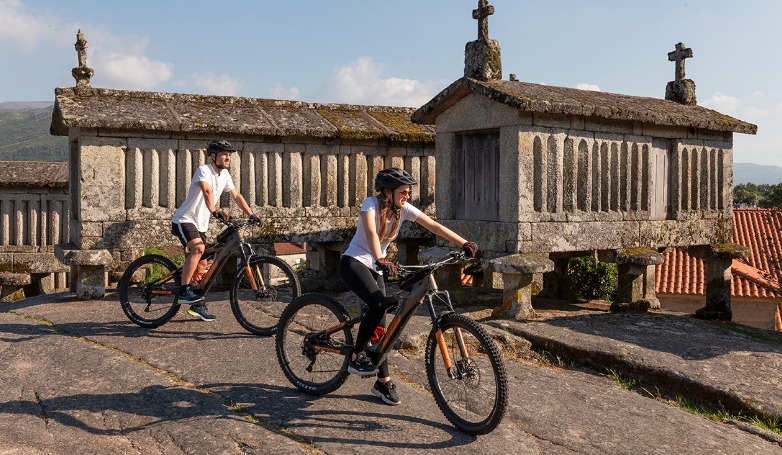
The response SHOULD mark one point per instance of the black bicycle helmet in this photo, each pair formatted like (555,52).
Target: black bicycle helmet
(220,146)
(392,178)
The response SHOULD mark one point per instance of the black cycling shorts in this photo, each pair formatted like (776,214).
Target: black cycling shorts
(186,232)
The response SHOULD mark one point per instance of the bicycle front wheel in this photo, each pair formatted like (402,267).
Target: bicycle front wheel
(314,358)
(473,392)
(258,308)
(148,290)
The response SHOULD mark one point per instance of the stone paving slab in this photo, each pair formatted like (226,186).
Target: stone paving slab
(678,354)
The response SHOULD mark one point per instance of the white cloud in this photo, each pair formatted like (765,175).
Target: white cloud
(734,107)
(360,83)
(590,87)
(278,92)
(130,72)
(121,62)
(212,84)
(21,30)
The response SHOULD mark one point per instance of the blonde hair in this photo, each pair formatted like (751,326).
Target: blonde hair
(386,212)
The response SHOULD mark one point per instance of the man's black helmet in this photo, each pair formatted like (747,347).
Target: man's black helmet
(392,178)
(220,146)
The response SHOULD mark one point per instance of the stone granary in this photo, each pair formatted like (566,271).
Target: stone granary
(304,168)
(33,218)
(539,174)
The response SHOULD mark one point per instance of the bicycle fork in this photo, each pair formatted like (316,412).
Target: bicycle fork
(447,361)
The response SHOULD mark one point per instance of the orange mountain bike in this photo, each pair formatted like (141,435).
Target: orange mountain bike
(260,288)
(465,371)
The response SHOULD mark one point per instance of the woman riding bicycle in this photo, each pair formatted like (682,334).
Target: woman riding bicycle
(364,264)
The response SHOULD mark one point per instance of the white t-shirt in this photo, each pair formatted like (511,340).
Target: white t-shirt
(194,210)
(359,248)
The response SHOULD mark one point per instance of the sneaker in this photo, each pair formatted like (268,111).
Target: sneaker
(199,311)
(386,391)
(188,296)
(362,366)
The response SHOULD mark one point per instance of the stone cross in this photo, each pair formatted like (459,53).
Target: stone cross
(678,56)
(482,15)
(81,49)
(82,73)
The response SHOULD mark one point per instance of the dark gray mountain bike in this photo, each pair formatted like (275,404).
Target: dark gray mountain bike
(260,288)
(463,365)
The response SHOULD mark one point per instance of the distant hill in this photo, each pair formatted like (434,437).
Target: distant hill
(756,173)
(24,133)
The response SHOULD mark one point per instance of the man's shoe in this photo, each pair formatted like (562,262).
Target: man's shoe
(199,311)
(386,391)
(362,366)
(189,297)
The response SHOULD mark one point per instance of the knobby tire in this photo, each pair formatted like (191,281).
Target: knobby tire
(259,311)
(146,299)
(312,371)
(473,395)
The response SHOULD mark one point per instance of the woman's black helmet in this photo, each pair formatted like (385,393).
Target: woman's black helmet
(392,178)
(220,146)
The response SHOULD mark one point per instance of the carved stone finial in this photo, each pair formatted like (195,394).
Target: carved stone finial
(82,73)
(680,89)
(482,15)
(482,59)
(678,56)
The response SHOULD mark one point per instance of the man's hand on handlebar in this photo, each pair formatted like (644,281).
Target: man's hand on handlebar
(255,219)
(221,215)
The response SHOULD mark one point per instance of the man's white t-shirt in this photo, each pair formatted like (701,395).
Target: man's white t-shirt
(359,247)
(194,210)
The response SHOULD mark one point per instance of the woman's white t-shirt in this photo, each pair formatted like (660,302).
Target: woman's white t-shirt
(194,210)
(359,248)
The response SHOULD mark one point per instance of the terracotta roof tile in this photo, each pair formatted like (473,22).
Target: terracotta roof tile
(758,229)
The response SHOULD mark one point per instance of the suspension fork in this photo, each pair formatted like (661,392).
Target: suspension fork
(447,361)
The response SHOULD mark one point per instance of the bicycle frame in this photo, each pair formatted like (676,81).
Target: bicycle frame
(222,254)
(423,291)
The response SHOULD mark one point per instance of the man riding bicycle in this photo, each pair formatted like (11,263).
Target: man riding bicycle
(191,220)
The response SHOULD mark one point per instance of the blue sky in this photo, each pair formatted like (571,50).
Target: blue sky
(402,52)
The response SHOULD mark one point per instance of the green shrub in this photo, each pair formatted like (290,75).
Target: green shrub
(592,281)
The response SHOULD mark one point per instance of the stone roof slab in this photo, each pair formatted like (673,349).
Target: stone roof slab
(536,98)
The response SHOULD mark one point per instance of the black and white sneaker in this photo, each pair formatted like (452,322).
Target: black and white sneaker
(362,366)
(386,391)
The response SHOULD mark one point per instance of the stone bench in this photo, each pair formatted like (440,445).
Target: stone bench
(12,286)
(718,262)
(518,272)
(88,269)
(635,280)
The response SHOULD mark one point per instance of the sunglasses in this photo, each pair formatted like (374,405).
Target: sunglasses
(405,193)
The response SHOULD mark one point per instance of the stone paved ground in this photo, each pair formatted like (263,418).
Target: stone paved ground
(79,378)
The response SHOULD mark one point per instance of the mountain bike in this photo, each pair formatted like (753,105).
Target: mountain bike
(465,372)
(261,286)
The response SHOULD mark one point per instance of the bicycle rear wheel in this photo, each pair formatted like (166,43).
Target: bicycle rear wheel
(258,311)
(314,361)
(148,290)
(473,392)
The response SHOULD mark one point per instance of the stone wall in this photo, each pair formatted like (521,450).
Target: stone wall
(305,189)
(34,213)
(570,183)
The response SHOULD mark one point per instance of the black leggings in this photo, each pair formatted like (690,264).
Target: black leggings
(370,288)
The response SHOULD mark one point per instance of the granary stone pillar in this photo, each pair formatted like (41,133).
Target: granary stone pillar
(718,260)
(88,270)
(635,280)
(518,277)
(12,286)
